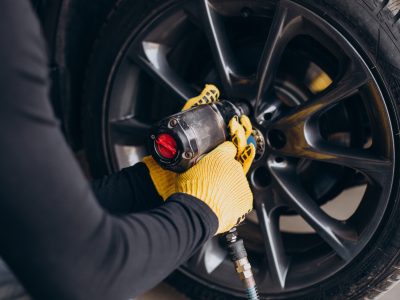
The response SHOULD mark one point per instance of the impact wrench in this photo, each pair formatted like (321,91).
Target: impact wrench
(179,141)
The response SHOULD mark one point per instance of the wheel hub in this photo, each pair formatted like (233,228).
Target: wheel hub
(260,141)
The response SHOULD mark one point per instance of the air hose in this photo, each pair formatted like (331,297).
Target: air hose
(238,255)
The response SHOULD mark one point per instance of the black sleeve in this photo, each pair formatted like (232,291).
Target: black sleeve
(130,190)
(53,234)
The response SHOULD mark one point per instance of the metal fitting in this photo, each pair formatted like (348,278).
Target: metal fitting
(188,155)
(231,237)
(243,268)
(173,123)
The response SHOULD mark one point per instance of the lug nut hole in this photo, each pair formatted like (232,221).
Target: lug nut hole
(261,177)
(268,116)
(276,139)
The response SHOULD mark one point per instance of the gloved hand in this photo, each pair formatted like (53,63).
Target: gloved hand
(219,180)
(240,132)
(164,180)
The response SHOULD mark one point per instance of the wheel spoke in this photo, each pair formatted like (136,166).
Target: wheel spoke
(225,60)
(291,20)
(303,139)
(268,217)
(151,57)
(285,25)
(209,257)
(130,131)
(376,168)
(340,90)
(337,234)
(379,125)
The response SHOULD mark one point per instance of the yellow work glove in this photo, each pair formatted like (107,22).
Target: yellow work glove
(219,180)
(210,94)
(240,132)
(164,180)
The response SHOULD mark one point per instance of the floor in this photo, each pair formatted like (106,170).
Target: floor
(163,292)
(393,294)
(166,292)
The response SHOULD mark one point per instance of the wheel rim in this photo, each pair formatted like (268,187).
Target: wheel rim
(307,158)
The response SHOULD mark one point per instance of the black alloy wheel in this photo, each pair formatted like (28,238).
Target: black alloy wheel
(325,185)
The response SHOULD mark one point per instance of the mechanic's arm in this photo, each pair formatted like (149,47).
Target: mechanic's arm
(127,191)
(57,239)
(54,235)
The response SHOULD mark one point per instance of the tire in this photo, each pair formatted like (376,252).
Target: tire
(372,27)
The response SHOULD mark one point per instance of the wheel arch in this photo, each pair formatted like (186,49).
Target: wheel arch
(70,28)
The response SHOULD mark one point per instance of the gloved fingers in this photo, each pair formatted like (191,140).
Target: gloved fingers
(163,180)
(246,123)
(240,132)
(210,94)
(246,157)
(238,135)
(226,149)
(242,218)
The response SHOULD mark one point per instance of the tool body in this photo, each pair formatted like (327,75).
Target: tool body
(178,142)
